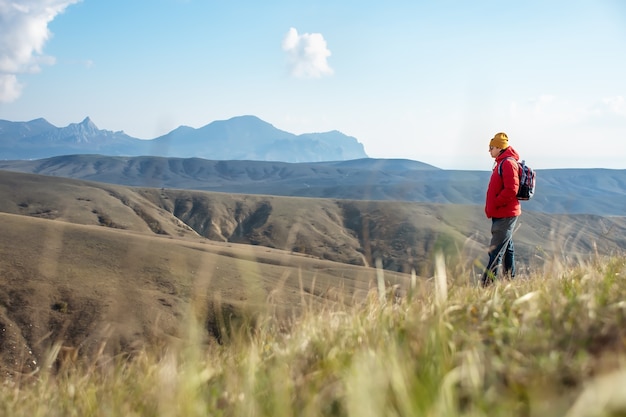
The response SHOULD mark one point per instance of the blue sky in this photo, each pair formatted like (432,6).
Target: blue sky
(431,81)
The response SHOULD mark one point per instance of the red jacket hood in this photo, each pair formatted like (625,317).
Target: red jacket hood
(507,153)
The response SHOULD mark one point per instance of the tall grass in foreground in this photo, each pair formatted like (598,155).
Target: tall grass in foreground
(549,345)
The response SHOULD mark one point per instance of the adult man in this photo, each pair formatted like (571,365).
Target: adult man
(502,207)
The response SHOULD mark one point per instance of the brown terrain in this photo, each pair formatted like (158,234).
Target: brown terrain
(109,270)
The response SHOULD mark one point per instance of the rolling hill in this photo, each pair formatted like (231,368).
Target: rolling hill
(108,269)
(562,191)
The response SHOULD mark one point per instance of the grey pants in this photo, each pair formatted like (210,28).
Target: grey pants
(501,249)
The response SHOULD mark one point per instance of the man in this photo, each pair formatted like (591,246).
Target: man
(502,207)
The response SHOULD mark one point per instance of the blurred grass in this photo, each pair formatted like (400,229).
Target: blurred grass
(550,344)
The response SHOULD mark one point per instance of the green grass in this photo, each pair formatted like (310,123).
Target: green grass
(550,344)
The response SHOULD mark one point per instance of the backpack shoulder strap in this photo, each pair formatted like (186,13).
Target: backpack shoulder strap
(500,164)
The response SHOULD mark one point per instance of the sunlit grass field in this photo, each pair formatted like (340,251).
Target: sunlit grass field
(552,343)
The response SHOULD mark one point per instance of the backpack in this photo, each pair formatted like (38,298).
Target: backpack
(527,177)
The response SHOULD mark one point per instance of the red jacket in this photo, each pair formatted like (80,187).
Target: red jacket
(501,198)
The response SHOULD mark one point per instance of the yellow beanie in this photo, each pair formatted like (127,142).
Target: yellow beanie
(500,140)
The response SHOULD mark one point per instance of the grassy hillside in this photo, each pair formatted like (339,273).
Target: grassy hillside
(550,345)
(106,291)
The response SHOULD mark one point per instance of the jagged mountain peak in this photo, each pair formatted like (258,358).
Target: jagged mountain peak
(87,121)
(87,126)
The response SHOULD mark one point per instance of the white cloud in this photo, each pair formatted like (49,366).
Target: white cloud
(610,106)
(551,110)
(546,109)
(23,34)
(10,88)
(307,54)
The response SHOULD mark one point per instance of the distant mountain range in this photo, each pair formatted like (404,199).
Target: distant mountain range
(239,138)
